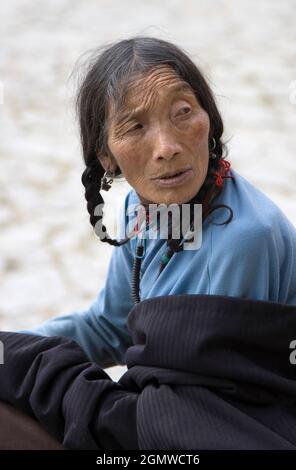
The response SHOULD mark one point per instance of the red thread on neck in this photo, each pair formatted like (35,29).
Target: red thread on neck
(224,167)
(219,180)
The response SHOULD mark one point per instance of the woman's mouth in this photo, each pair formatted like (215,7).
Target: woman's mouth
(175,180)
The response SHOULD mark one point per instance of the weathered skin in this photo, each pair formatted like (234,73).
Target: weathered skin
(171,133)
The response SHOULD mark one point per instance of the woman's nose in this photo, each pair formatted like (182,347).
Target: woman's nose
(166,144)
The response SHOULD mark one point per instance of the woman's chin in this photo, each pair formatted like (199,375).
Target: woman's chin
(169,196)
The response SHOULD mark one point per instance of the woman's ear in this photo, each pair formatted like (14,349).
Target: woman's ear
(107,162)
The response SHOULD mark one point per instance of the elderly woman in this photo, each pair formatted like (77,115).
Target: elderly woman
(204,331)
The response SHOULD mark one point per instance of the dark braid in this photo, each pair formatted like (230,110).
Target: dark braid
(210,190)
(91,180)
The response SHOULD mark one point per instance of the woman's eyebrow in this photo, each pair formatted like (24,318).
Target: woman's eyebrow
(129,115)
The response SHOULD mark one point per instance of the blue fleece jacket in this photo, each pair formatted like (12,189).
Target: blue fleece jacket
(252,257)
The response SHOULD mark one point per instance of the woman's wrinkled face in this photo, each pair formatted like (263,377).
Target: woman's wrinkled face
(162,129)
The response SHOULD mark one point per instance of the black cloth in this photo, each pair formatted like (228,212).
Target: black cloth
(204,372)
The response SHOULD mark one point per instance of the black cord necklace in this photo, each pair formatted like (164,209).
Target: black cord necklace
(174,246)
(136,271)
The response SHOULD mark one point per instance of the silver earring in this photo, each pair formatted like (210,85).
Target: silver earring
(212,154)
(105,182)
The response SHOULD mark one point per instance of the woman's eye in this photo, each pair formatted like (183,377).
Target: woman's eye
(186,108)
(135,128)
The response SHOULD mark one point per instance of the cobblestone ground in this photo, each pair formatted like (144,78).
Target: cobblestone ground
(51,263)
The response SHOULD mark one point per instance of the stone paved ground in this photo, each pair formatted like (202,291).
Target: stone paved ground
(50,261)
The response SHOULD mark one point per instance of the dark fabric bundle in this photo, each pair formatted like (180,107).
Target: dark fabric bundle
(204,372)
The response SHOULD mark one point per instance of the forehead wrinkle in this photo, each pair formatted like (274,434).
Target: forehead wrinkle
(138,110)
